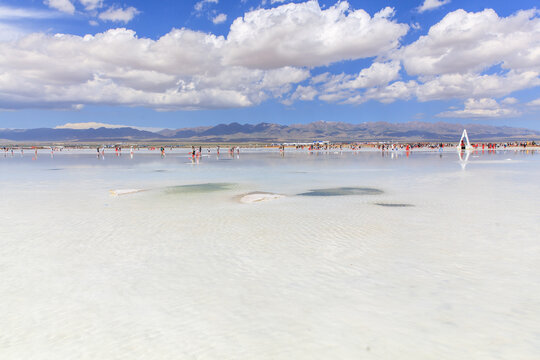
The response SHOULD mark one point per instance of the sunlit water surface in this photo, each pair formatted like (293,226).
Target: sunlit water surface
(369,256)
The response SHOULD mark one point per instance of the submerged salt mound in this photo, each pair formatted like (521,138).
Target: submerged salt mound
(342,191)
(258,197)
(198,188)
(394,205)
(119,192)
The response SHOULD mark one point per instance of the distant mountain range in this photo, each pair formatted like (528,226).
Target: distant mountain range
(77,135)
(266,132)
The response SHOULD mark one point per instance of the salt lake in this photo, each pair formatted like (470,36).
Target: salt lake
(347,255)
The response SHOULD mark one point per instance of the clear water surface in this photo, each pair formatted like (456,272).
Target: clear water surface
(369,256)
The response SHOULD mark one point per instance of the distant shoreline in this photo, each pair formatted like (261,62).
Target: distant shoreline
(364,146)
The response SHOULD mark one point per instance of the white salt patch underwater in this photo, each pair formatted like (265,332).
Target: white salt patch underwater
(258,197)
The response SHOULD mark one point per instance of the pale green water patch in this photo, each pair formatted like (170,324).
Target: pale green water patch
(343,191)
(198,188)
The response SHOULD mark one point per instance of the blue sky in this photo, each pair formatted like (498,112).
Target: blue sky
(172,64)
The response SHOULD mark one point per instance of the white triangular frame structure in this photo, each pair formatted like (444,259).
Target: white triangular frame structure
(467,143)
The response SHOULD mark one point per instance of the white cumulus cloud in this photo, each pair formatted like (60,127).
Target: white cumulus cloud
(304,93)
(450,86)
(534,102)
(186,69)
(456,59)
(431,4)
(119,14)
(219,18)
(467,41)
(343,87)
(61,5)
(91,4)
(398,90)
(305,35)
(481,108)
(181,70)
(510,101)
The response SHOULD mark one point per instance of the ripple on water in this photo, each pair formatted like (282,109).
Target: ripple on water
(198,188)
(342,191)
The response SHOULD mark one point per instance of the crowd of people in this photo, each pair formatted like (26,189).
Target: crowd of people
(197,151)
(389,146)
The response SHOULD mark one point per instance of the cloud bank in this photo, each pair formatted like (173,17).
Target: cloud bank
(273,53)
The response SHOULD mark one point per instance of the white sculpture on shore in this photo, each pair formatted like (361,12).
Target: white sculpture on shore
(464,145)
